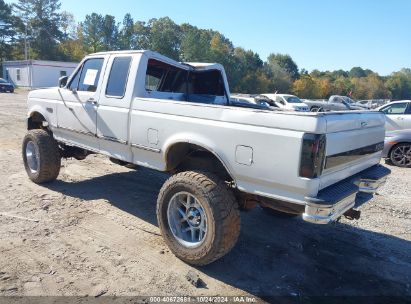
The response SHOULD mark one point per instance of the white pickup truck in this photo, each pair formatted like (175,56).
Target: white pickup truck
(144,109)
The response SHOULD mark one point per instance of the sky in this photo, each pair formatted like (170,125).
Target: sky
(318,34)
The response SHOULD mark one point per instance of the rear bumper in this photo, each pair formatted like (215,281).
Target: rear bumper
(335,200)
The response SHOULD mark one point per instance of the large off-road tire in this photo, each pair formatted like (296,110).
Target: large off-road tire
(198,217)
(41,156)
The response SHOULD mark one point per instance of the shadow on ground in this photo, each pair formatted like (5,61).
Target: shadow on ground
(276,256)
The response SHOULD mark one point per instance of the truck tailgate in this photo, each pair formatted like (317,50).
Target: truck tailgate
(354,142)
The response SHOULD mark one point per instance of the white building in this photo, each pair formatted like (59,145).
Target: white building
(36,73)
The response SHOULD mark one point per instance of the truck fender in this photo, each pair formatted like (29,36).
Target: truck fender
(200,141)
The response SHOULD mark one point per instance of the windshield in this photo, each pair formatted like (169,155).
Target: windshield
(3,81)
(292,99)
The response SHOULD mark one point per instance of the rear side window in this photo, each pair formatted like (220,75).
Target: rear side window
(117,81)
(408,111)
(90,75)
(397,108)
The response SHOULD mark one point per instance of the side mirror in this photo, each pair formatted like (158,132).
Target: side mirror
(63,81)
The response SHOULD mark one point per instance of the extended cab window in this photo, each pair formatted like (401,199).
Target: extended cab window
(87,78)
(117,80)
(396,108)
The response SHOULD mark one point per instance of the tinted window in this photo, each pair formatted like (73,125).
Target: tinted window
(408,111)
(397,108)
(117,80)
(90,75)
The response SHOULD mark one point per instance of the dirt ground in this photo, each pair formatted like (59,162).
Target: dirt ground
(94,232)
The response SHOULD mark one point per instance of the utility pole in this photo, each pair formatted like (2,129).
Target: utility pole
(25,43)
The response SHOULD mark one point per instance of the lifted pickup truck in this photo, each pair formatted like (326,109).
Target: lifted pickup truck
(141,108)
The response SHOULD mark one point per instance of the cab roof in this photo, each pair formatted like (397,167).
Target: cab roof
(152,54)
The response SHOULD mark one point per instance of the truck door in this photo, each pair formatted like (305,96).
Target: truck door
(77,114)
(114,107)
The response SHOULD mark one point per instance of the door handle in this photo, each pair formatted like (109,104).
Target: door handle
(92,100)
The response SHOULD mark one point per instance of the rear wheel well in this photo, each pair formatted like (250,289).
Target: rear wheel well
(36,121)
(185,156)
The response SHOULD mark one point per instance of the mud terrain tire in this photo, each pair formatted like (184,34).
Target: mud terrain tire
(41,156)
(219,206)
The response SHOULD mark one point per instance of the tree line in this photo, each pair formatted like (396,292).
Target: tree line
(52,34)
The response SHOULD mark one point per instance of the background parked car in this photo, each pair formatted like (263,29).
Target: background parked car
(397,148)
(286,101)
(6,86)
(334,103)
(398,115)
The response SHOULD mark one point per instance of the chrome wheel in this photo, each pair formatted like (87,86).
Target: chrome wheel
(187,219)
(32,157)
(401,155)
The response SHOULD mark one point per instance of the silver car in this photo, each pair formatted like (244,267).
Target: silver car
(397,148)
(397,114)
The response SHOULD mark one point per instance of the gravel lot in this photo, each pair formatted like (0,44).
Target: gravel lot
(94,232)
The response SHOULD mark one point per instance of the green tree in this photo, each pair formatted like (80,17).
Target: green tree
(127,39)
(73,48)
(399,84)
(286,62)
(280,78)
(357,72)
(195,43)
(92,28)
(7,30)
(164,37)
(247,74)
(42,18)
(110,32)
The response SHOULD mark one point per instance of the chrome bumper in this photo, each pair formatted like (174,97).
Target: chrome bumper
(324,214)
(371,185)
(332,202)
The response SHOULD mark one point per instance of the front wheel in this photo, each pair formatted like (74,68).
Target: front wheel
(198,217)
(41,156)
(401,155)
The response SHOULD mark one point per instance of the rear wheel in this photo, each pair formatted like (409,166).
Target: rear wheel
(198,217)
(41,156)
(401,155)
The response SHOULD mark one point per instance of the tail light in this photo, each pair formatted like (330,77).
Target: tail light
(312,155)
